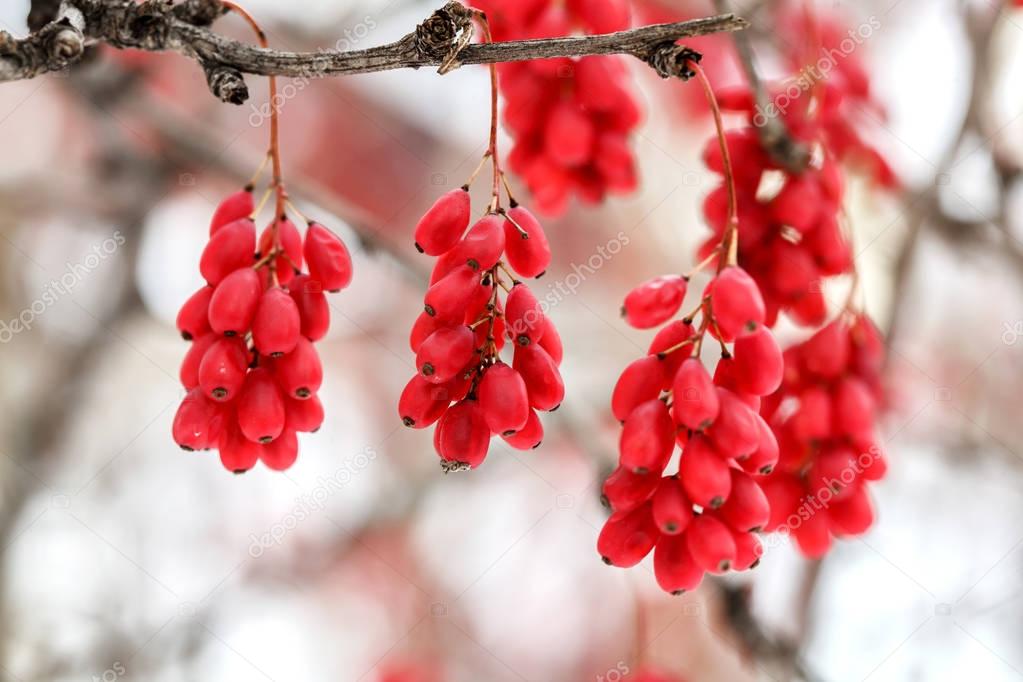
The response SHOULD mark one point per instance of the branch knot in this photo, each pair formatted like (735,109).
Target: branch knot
(444,34)
(671,60)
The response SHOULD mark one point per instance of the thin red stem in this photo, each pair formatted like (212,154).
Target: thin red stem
(275,147)
(730,241)
(481,17)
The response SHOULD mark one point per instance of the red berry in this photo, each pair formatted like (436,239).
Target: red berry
(261,412)
(299,373)
(540,372)
(529,436)
(234,302)
(696,403)
(280,454)
(193,318)
(504,399)
(672,509)
(705,476)
(483,244)
(627,537)
(422,403)
(448,299)
(523,315)
(327,258)
(442,226)
(303,415)
(648,438)
(569,135)
(276,327)
(290,240)
(737,304)
(655,301)
(711,544)
(625,489)
(198,422)
(526,246)
(853,515)
(813,535)
(674,567)
(223,368)
(734,432)
(813,419)
(826,353)
(669,339)
(232,247)
(550,341)
(640,382)
(853,409)
(313,310)
(747,508)
(833,474)
(463,436)
(238,454)
(446,353)
(758,365)
(235,207)
(189,373)
(748,550)
(785,495)
(762,460)
(798,204)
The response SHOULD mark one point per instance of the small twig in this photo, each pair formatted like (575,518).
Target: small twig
(440,41)
(774,135)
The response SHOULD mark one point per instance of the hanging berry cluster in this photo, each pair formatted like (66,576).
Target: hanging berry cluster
(252,372)
(462,384)
(823,416)
(792,240)
(571,118)
(703,517)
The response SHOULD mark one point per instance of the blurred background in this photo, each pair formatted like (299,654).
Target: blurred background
(125,558)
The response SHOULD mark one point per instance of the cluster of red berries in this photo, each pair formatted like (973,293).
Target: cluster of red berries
(823,416)
(459,336)
(703,518)
(790,242)
(570,118)
(252,372)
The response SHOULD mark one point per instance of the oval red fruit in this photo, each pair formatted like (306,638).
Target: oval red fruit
(648,438)
(526,246)
(261,412)
(193,319)
(232,247)
(442,226)
(696,403)
(627,537)
(234,302)
(327,258)
(655,301)
(277,325)
(504,399)
(445,353)
(299,373)
(711,544)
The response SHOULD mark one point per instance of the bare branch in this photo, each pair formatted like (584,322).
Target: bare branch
(440,41)
(774,134)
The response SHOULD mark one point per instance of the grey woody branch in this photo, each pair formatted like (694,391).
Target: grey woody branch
(442,41)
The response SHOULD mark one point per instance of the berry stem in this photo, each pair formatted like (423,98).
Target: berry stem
(275,147)
(495,203)
(730,241)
